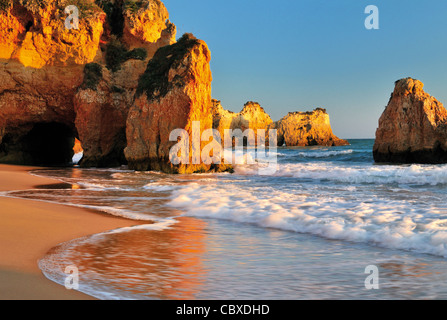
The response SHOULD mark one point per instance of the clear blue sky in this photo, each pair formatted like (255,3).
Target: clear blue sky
(296,55)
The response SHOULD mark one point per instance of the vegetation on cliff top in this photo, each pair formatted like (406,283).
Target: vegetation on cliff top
(117,53)
(154,81)
(92,76)
(133,6)
(5,5)
(86,7)
(308,112)
(35,5)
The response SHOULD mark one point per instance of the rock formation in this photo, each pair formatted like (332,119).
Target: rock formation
(137,18)
(413,127)
(295,129)
(119,83)
(174,92)
(41,65)
(252,117)
(306,129)
(33,32)
(79,81)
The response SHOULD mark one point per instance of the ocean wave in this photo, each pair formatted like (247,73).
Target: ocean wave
(324,154)
(155,186)
(417,175)
(118,212)
(387,223)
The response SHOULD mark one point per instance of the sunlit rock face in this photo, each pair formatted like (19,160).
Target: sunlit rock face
(252,116)
(295,129)
(173,93)
(41,65)
(81,79)
(147,25)
(413,127)
(303,129)
(34,33)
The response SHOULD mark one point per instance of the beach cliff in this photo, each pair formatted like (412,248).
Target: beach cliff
(59,83)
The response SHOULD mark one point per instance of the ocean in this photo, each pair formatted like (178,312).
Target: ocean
(309,231)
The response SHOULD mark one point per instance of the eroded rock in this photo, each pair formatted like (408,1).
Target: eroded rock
(174,92)
(43,68)
(413,127)
(252,116)
(306,129)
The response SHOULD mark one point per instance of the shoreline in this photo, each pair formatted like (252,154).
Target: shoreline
(30,228)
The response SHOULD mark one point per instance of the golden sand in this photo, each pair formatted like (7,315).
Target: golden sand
(28,229)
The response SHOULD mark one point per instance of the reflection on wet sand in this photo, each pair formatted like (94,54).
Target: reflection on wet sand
(403,270)
(155,264)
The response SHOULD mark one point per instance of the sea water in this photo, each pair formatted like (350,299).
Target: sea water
(309,231)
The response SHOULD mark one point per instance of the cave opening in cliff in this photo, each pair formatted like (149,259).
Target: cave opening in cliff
(117,18)
(115,15)
(49,144)
(24,17)
(28,26)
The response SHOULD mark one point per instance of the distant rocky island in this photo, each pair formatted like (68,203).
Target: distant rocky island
(120,84)
(413,127)
(297,129)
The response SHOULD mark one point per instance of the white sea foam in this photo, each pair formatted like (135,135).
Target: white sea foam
(324,153)
(396,207)
(119,212)
(389,223)
(377,174)
(102,186)
(160,225)
(159,187)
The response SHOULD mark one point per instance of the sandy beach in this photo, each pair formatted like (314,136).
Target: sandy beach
(28,229)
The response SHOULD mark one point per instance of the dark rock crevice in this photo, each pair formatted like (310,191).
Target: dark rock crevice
(46,144)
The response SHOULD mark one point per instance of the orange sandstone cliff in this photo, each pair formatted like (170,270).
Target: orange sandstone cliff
(58,84)
(102,103)
(174,92)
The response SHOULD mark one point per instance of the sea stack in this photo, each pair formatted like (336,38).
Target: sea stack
(302,129)
(252,116)
(413,127)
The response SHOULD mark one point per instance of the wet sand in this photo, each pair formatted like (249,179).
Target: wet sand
(29,229)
